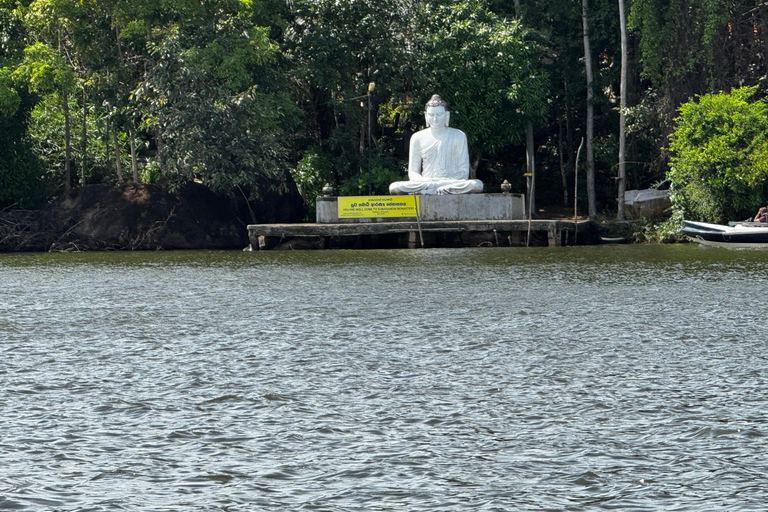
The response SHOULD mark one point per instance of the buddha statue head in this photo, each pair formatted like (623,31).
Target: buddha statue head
(436,114)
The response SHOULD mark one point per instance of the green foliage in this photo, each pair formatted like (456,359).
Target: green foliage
(315,169)
(679,41)
(209,133)
(21,181)
(9,98)
(12,31)
(487,68)
(230,54)
(212,89)
(47,138)
(311,173)
(47,133)
(20,171)
(342,45)
(370,182)
(664,232)
(719,162)
(337,48)
(644,130)
(44,71)
(214,108)
(151,173)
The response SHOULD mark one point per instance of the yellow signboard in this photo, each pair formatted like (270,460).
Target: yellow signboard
(356,207)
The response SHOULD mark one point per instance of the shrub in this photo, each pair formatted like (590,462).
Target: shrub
(310,174)
(719,161)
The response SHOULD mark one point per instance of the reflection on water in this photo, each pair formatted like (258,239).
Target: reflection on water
(584,378)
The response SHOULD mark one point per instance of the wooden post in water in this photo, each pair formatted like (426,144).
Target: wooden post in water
(418,218)
(576,194)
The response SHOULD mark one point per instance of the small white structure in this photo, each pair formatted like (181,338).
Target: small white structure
(649,203)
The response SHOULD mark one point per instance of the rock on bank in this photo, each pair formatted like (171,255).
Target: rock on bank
(144,217)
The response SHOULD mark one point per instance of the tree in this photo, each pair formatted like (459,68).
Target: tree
(678,42)
(590,112)
(487,69)
(687,48)
(622,113)
(338,48)
(530,161)
(44,71)
(719,165)
(20,170)
(216,124)
(46,65)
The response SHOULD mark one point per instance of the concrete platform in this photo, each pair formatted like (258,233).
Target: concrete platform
(391,235)
(388,222)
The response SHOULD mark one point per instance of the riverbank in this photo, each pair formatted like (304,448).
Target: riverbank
(145,217)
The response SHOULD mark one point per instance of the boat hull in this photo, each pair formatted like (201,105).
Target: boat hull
(740,235)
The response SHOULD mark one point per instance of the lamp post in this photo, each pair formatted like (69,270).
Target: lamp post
(371,87)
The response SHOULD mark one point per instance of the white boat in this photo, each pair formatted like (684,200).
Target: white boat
(734,235)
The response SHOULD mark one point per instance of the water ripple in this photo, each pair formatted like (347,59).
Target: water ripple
(621,378)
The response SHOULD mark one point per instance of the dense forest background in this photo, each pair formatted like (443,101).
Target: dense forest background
(226,91)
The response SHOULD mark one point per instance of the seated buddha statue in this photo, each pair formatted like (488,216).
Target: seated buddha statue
(438,157)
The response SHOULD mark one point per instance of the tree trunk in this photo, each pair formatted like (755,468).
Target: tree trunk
(529,158)
(119,47)
(530,165)
(67,149)
(84,156)
(590,115)
(361,142)
(569,144)
(764,29)
(118,164)
(561,155)
(134,163)
(160,147)
(622,117)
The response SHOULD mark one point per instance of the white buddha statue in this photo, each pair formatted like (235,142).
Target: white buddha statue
(438,158)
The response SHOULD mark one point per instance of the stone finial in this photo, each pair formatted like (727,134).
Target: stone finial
(328,190)
(505,187)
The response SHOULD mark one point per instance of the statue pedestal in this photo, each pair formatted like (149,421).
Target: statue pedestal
(459,207)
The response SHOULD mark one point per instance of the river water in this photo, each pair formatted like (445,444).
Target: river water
(509,379)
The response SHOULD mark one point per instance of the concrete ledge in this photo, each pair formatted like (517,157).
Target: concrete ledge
(404,234)
(459,207)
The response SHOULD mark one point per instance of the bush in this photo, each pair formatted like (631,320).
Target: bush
(719,161)
(373,182)
(310,174)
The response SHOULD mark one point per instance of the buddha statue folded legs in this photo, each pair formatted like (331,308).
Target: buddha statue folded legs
(437,186)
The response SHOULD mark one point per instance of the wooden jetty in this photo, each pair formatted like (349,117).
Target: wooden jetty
(387,222)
